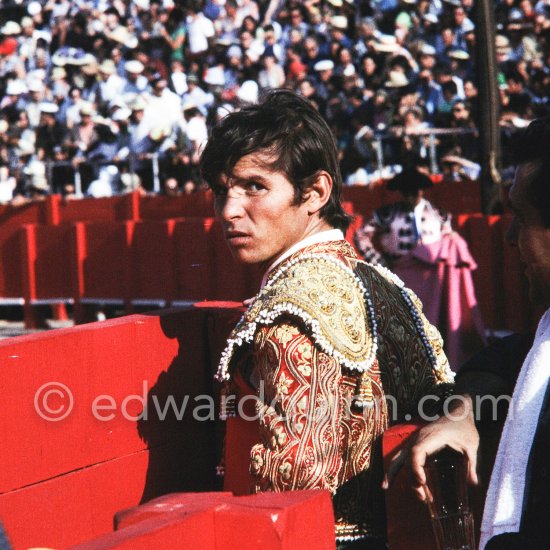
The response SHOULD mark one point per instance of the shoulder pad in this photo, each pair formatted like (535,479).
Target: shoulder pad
(327,297)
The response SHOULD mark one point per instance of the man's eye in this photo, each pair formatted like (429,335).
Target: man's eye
(220,191)
(254,186)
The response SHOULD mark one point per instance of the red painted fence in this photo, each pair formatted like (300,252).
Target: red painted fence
(62,480)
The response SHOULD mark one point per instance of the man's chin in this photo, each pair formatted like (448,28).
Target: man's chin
(244,256)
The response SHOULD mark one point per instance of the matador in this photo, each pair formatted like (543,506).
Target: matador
(332,349)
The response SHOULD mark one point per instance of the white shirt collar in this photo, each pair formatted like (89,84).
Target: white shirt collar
(322,237)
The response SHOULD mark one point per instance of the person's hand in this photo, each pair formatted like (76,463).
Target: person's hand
(456,430)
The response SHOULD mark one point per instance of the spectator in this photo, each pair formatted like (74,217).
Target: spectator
(296,23)
(163,107)
(200,30)
(110,85)
(228,23)
(49,133)
(197,95)
(429,93)
(174,34)
(272,45)
(272,75)
(135,83)
(7,184)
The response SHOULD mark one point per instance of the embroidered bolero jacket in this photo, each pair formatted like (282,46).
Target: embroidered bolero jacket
(334,349)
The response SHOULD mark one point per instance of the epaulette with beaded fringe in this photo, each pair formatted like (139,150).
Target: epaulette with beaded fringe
(331,301)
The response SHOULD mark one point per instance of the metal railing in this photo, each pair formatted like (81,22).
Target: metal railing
(378,138)
(128,163)
(375,139)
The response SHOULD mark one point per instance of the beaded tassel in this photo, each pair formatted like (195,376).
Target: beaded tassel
(364,398)
(227,403)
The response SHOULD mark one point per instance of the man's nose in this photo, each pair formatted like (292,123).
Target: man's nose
(232,207)
(511,235)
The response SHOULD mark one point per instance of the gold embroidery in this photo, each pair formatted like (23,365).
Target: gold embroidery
(327,297)
(285,333)
(283,384)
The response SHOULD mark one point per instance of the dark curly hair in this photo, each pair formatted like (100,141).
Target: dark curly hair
(289,129)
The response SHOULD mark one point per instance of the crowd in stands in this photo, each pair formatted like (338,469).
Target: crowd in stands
(104,96)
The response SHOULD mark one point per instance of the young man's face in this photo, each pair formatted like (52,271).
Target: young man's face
(530,235)
(257,207)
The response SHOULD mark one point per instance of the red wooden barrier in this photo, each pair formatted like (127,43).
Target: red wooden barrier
(105,260)
(486,245)
(365,200)
(408,522)
(219,521)
(79,470)
(11,283)
(186,260)
(500,281)
(194,259)
(455,197)
(121,207)
(46,262)
(184,503)
(515,288)
(82,464)
(198,205)
(153,270)
(45,271)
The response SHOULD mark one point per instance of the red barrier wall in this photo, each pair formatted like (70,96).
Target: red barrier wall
(187,259)
(198,205)
(62,481)
(194,258)
(121,207)
(67,468)
(461,197)
(292,520)
(456,197)
(153,261)
(46,262)
(105,260)
(11,283)
(501,286)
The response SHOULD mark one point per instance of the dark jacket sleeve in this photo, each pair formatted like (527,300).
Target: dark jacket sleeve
(504,358)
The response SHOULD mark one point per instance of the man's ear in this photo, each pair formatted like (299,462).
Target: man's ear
(318,193)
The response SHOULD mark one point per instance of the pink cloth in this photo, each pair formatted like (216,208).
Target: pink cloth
(440,275)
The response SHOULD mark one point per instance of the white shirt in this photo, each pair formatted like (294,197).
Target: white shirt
(163,111)
(200,29)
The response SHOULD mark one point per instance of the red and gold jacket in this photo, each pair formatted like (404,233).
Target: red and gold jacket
(333,350)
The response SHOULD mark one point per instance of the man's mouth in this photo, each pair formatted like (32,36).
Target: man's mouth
(236,238)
